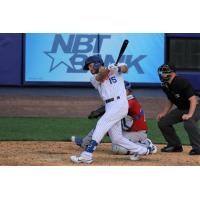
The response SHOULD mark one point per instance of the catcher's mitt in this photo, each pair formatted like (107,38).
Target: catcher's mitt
(97,113)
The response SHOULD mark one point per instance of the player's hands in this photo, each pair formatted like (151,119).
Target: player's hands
(186,116)
(159,116)
(120,67)
(113,66)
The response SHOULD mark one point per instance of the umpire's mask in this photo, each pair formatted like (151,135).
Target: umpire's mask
(165,72)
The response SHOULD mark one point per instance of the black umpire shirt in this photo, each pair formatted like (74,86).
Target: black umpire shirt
(178,92)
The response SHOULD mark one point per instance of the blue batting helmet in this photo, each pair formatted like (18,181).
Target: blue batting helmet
(96,59)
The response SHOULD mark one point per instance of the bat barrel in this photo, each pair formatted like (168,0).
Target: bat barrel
(123,48)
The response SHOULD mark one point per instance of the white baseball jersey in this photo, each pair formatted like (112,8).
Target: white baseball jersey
(114,88)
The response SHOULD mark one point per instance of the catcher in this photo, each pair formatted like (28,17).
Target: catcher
(134,126)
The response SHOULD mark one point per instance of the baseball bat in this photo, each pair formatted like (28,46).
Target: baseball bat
(123,48)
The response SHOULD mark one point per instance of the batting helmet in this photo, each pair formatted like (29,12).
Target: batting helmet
(166,69)
(96,59)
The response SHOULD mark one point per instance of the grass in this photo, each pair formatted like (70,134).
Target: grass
(60,129)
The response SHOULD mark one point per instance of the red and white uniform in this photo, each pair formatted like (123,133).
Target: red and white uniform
(137,116)
(134,127)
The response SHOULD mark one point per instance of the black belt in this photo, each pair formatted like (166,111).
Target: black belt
(111,99)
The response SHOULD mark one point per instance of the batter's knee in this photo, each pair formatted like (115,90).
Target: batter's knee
(117,149)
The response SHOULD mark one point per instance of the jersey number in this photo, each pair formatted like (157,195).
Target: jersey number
(113,80)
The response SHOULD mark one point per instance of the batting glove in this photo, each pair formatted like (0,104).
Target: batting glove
(112,66)
(116,68)
(121,64)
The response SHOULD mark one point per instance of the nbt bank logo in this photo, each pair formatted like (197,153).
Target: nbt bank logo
(73,52)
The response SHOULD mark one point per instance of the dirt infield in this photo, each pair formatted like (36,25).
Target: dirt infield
(58,154)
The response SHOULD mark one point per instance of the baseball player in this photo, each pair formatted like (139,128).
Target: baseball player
(110,84)
(134,126)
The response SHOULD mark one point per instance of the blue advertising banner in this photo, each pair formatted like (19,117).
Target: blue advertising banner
(60,57)
(144,54)
(10,58)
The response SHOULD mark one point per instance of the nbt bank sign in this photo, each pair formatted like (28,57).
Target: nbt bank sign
(73,49)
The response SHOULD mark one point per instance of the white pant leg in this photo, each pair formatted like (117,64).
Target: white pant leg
(116,136)
(115,111)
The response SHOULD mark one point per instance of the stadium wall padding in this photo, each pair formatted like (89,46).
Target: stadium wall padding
(11,58)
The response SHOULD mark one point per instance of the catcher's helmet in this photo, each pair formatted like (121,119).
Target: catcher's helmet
(96,59)
(166,69)
(128,86)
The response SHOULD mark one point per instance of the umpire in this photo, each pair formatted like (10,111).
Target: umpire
(180,93)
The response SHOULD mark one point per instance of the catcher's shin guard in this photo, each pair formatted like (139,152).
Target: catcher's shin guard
(77,140)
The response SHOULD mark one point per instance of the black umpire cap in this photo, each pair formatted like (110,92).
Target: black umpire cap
(96,59)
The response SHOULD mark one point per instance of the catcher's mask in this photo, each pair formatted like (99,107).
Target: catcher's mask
(96,60)
(165,72)
(128,86)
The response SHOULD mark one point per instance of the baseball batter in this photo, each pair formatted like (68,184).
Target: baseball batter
(134,126)
(110,84)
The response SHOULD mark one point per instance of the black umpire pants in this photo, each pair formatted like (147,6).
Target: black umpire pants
(175,116)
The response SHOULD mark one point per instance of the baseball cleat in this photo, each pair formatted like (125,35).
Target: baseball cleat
(149,150)
(81,159)
(154,149)
(151,147)
(135,157)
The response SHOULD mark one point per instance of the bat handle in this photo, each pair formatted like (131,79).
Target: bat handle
(116,63)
